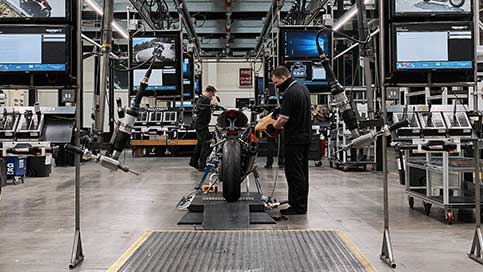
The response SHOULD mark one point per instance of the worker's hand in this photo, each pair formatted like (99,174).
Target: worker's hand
(214,100)
(276,113)
(270,129)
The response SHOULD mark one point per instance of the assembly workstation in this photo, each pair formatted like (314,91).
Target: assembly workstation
(255,135)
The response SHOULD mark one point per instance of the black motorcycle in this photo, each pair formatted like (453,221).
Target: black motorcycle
(36,8)
(454,3)
(236,148)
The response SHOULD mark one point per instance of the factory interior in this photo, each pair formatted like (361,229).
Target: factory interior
(230,135)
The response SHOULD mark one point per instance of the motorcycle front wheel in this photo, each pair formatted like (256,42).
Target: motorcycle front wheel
(457,3)
(231,170)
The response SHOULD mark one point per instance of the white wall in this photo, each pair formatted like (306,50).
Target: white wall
(224,76)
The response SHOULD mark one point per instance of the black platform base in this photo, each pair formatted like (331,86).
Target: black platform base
(213,212)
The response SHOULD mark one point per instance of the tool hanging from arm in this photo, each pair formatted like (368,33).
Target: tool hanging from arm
(366,139)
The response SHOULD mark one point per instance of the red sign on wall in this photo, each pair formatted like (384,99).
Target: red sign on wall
(246,80)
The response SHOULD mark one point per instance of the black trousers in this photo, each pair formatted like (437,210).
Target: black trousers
(297,174)
(202,148)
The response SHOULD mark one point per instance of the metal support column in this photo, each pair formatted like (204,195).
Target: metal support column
(386,251)
(77,255)
(476,247)
(106,46)
(366,54)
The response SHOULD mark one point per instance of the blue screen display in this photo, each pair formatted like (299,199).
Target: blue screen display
(415,65)
(186,68)
(302,44)
(32,67)
(197,86)
(260,85)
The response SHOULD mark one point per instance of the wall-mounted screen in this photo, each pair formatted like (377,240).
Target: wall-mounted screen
(163,82)
(33,48)
(433,46)
(188,77)
(431,7)
(143,49)
(34,8)
(166,48)
(300,43)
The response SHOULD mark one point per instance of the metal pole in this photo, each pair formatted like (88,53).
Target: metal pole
(77,255)
(476,247)
(106,46)
(386,251)
(365,53)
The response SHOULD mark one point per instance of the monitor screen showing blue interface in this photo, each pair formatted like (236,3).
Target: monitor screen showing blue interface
(422,7)
(163,81)
(434,46)
(33,48)
(34,8)
(301,44)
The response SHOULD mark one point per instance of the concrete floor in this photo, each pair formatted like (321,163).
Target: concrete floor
(37,223)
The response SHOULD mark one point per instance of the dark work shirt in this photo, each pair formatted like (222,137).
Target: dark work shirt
(203,112)
(296,107)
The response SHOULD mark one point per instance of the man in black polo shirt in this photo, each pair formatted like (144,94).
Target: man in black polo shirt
(203,110)
(295,119)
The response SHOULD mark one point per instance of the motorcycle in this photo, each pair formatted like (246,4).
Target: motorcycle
(454,3)
(236,148)
(36,8)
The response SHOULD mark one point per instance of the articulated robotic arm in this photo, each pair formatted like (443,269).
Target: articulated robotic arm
(348,115)
(122,134)
(338,93)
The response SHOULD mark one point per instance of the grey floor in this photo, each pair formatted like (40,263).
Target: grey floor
(37,223)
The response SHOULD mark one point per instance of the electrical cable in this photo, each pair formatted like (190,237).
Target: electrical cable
(324,28)
(132,68)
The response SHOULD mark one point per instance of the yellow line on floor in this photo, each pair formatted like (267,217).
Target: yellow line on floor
(356,251)
(129,252)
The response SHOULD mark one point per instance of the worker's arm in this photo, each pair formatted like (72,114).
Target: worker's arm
(280,123)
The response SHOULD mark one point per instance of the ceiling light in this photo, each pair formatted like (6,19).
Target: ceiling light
(93,5)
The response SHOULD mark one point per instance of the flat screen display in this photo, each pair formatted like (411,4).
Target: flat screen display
(424,7)
(197,86)
(163,82)
(188,78)
(301,44)
(143,49)
(33,48)
(318,73)
(433,46)
(260,81)
(33,8)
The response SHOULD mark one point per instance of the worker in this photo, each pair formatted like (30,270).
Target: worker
(295,120)
(202,118)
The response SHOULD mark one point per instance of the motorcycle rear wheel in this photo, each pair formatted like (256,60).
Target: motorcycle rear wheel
(231,170)
(457,3)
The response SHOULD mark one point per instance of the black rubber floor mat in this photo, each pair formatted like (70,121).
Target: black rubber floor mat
(264,250)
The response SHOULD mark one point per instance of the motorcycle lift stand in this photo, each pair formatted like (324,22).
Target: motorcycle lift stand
(213,212)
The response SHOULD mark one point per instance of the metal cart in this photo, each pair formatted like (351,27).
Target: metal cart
(443,184)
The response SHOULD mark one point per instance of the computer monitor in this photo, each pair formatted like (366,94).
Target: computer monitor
(430,7)
(163,82)
(34,48)
(260,85)
(185,104)
(188,77)
(143,48)
(36,9)
(433,46)
(300,43)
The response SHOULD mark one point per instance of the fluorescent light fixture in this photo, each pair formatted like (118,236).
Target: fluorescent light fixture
(348,16)
(93,5)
